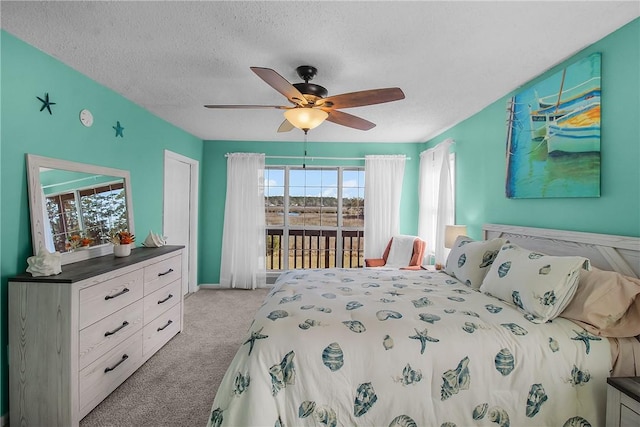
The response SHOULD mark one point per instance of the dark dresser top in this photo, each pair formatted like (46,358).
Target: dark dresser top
(627,385)
(85,269)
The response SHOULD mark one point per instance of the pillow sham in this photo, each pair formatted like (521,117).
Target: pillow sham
(469,260)
(538,284)
(606,303)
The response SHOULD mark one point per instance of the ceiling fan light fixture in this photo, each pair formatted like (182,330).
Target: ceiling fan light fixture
(311,104)
(305,118)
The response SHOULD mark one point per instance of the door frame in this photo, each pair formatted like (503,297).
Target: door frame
(193,213)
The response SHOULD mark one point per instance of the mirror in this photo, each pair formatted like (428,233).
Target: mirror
(76,207)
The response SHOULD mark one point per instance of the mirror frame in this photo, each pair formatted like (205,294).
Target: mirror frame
(34,163)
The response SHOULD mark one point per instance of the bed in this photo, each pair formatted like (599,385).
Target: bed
(390,347)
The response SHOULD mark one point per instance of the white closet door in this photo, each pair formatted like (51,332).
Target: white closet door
(177,213)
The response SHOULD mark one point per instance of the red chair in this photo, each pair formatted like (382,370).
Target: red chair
(414,262)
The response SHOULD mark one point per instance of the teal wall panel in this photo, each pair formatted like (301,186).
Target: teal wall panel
(28,73)
(481,162)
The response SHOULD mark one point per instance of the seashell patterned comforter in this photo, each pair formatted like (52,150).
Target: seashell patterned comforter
(380,347)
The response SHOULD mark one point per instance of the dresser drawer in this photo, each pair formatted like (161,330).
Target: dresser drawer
(162,273)
(161,329)
(99,301)
(629,417)
(99,379)
(102,336)
(161,300)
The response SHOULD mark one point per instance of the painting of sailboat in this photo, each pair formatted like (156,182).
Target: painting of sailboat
(553,135)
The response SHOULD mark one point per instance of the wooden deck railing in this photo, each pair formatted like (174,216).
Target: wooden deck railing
(314,249)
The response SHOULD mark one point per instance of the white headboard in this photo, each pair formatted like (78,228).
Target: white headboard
(606,251)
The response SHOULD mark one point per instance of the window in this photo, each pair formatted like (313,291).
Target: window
(433,192)
(91,213)
(314,216)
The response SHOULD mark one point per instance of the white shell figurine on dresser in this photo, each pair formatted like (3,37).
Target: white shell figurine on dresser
(153,240)
(44,263)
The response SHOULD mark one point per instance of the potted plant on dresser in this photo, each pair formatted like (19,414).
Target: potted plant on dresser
(122,242)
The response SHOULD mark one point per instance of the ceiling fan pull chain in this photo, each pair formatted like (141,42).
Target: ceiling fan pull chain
(304,160)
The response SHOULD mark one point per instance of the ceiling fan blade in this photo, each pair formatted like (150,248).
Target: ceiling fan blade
(362,98)
(349,120)
(280,84)
(279,107)
(285,126)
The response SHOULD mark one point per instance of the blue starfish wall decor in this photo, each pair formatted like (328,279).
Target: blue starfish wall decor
(118,129)
(46,103)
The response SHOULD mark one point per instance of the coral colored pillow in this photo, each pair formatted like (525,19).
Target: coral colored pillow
(606,303)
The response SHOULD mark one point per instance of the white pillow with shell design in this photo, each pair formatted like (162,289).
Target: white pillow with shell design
(538,284)
(469,260)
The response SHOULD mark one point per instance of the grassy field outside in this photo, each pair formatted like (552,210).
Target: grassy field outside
(313,261)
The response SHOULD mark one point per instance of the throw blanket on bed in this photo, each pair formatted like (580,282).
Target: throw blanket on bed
(407,348)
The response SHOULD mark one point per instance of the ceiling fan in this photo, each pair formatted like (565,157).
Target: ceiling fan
(311,105)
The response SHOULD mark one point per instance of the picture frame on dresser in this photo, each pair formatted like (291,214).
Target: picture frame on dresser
(76,336)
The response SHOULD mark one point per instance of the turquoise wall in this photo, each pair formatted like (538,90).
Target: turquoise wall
(28,73)
(214,178)
(481,162)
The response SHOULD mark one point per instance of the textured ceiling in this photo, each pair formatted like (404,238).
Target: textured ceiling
(450,58)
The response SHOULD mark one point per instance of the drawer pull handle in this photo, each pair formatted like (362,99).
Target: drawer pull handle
(125,323)
(168,323)
(166,272)
(109,369)
(166,299)
(124,291)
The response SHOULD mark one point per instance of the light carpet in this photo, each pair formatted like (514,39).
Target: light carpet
(176,386)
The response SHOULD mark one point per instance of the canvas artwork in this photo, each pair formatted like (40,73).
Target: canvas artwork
(553,135)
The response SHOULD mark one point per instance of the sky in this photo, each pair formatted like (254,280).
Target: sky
(315,182)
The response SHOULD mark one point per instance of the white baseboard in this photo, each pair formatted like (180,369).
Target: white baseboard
(217,286)
(271,279)
(209,286)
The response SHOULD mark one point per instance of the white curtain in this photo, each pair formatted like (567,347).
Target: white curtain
(435,194)
(46,222)
(382,192)
(242,264)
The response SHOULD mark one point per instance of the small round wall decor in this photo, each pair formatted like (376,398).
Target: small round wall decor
(86,118)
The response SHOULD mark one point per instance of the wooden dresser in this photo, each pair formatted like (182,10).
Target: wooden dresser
(75,337)
(623,402)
